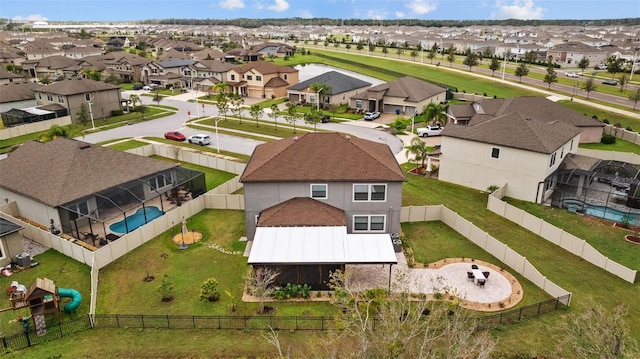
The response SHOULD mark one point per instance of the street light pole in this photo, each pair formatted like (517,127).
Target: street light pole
(93,125)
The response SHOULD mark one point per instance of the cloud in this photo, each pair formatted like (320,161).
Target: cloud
(377,14)
(306,14)
(517,9)
(35,17)
(231,4)
(421,7)
(399,14)
(279,6)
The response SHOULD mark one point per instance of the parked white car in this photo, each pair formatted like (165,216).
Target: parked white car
(199,139)
(572,74)
(370,116)
(429,131)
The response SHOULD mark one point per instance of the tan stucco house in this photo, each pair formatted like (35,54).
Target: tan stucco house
(261,79)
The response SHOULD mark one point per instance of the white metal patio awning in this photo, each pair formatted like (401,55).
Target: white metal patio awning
(319,245)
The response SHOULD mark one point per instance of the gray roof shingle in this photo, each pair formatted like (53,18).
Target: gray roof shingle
(338,82)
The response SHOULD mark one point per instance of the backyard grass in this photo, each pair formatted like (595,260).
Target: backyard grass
(619,146)
(127,145)
(213,177)
(612,117)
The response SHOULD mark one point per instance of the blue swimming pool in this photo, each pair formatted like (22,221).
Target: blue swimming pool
(136,220)
(600,211)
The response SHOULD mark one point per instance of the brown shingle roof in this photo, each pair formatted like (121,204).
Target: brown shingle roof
(75,86)
(63,170)
(516,131)
(264,68)
(409,88)
(329,157)
(15,91)
(301,211)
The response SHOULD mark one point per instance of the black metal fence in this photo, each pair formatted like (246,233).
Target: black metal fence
(222,322)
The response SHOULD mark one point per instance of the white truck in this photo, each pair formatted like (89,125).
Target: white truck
(429,131)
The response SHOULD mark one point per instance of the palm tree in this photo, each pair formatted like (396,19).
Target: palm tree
(319,89)
(418,150)
(435,114)
(57,131)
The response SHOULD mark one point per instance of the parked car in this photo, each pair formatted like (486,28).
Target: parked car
(138,86)
(601,67)
(370,116)
(200,139)
(174,135)
(572,74)
(149,87)
(611,82)
(325,119)
(429,131)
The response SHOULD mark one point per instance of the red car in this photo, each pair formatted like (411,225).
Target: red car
(174,135)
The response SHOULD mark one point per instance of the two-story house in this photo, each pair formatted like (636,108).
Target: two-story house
(261,79)
(319,201)
(97,97)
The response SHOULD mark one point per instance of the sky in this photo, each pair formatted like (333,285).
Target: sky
(132,10)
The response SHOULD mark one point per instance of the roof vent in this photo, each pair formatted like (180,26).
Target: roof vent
(348,138)
(85,147)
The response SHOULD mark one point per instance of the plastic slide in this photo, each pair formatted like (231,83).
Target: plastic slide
(76,299)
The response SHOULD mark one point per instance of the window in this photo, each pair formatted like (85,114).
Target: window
(60,99)
(372,223)
(233,77)
(286,77)
(158,182)
(49,97)
(258,78)
(87,97)
(358,104)
(495,152)
(249,77)
(319,191)
(571,147)
(553,159)
(369,192)
(562,153)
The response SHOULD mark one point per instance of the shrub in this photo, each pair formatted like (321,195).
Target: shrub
(629,129)
(291,291)
(166,289)
(209,290)
(117,113)
(608,139)
(605,121)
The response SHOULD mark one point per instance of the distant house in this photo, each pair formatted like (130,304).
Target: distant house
(274,48)
(168,72)
(10,241)
(342,87)
(82,189)
(242,55)
(309,213)
(51,67)
(99,98)
(571,53)
(406,95)
(8,77)
(261,79)
(533,107)
(512,149)
(118,42)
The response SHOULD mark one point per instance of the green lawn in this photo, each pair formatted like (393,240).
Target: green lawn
(620,146)
(127,145)
(612,117)
(214,177)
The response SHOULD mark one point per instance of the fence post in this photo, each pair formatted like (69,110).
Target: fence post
(28,339)
(219,323)
(92,321)
(520,314)
(117,320)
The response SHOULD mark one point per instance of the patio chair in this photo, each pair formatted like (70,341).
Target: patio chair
(486,275)
(474,266)
(481,283)
(470,276)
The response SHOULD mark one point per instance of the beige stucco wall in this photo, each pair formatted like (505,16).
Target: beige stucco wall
(470,164)
(33,210)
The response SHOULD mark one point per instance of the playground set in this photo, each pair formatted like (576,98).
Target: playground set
(43,297)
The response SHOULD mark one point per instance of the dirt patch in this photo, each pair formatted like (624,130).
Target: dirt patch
(187,238)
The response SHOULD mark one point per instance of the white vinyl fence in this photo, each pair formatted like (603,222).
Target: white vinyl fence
(559,237)
(34,127)
(476,235)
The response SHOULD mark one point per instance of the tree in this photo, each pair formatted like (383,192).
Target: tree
(372,47)
(599,333)
(487,52)
(435,113)
(551,76)
(319,89)
(635,97)
(83,115)
(222,99)
(521,70)
(166,289)
(418,151)
(622,81)
(256,112)
(414,54)
(57,131)
(313,118)
(360,46)
(530,57)
(258,281)
(589,85)
(583,64)
(235,103)
(494,65)
(614,65)
(45,80)
(471,60)
(292,114)
(451,54)
(385,51)
(209,290)
(431,54)
(13,68)
(274,115)
(156,96)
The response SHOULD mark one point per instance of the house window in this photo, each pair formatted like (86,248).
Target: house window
(495,152)
(233,77)
(312,98)
(60,99)
(258,78)
(249,77)
(40,95)
(49,97)
(553,159)
(158,182)
(286,77)
(571,147)
(319,191)
(562,152)
(87,97)
(369,223)
(369,192)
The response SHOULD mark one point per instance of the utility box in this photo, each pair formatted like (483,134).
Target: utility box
(397,243)
(24,260)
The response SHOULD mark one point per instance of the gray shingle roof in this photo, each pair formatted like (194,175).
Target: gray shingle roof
(75,86)
(329,157)
(64,170)
(409,88)
(516,131)
(339,82)
(175,63)
(15,91)
(8,227)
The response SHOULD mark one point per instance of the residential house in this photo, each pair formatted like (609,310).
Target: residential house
(571,53)
(318,201)
(124,65)
(242,55)
(78,52)
(210,72)
(9,55)
(98,98)
(341,88)
(17,95)
(261,79)
(538,108)
(406,95)
(513,149)
(51,67)
(169,72)
(10,242)
(39,50)
(275,49)
(9,77)
(88,191)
